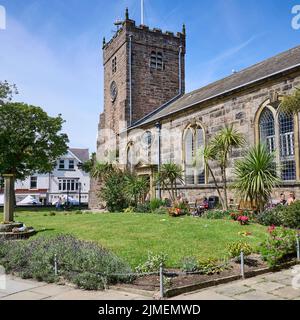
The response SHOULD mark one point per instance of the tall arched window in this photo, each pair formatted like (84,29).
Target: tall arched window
(130,158)
(276,131)
(194,165)
(287,146)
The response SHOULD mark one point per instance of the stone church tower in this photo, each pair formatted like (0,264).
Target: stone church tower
(143,70)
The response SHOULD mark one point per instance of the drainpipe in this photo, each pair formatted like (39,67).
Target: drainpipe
(158,127)
(180,71)
(130,80)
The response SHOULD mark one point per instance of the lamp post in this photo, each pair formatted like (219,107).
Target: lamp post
(158,127)
(79,194)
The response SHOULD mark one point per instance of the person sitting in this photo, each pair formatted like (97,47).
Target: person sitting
(291,198)
(282,200)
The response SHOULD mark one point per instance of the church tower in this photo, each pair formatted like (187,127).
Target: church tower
(143,70)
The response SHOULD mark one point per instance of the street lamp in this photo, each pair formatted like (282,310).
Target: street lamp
(79,191)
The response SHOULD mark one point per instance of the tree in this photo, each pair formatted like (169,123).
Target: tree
(256,175)
(30,140)
(221,146)
(168,177)
(6,92)
(136,188)
(292,103)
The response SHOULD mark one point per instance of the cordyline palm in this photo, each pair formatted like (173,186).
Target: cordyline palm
(223,143)
(136,187)
(255,175)
(100,170)
(168,177)
(292,103)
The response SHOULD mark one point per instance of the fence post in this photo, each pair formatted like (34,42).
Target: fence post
(242,265)
(55,265)
(298,248)
(161,280)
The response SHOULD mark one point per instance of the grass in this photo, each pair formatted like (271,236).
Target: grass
(132,236)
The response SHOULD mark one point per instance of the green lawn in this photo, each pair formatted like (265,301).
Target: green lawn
(131,236)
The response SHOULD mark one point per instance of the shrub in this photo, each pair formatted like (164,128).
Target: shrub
(210,266)
(279,246)
(161,210)
(78,261)
(156,204)
(287,216)
(189,264)
(89,281)
(243,220)
(215,214)
(234,249)
(143,208)
(153,263)
(129,210)
(52,214)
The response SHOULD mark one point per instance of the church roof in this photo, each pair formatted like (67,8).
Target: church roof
(261,71)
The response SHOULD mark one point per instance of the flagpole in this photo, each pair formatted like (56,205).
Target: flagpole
(142,12)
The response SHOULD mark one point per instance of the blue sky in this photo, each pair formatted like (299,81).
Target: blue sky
(52,48)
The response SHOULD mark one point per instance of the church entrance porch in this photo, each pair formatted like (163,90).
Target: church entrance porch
(147,171)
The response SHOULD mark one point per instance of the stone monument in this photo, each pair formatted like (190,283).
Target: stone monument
(9,229)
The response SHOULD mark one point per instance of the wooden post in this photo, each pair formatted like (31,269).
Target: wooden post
(9,201)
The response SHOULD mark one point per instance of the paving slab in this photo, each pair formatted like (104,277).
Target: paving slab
(25,295)
(267,286)
(51,289)
(287,293)
(16,285)
(233,289)
(256,295)
(203,295)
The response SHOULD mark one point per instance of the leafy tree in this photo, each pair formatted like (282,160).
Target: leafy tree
(221,146)
(168,177)
(292,103)
(136,188)
(6,92)
(256,176)
(30,140)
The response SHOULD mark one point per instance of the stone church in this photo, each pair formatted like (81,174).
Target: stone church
(149,120)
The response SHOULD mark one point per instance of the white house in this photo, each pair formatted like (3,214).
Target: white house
(66,180)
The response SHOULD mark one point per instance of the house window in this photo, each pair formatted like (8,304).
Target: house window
(156,60)
(61,165)
(193,159)
(68,185)
(114,65)
(276,131)
(71,165)
(33,182)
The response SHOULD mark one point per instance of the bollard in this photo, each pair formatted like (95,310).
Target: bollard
(55,265)
(242,265)
(298,248)
(161,280)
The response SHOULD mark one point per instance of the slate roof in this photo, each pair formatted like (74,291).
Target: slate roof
(268,68)
(81,154)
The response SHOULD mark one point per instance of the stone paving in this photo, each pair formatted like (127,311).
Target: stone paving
(272,286)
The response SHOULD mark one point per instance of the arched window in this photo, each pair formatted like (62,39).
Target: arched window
(130,158)
(277,133)
(194,165)
(267,129)
(287,146)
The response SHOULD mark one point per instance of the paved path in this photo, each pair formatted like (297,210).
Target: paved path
(19,289)
(273,286)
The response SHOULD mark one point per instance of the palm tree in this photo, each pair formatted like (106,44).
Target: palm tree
(223,143)
(100,170)
(136,188)
(292,103)
(209,154)
(168,177)
(256,176)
